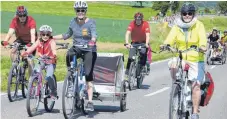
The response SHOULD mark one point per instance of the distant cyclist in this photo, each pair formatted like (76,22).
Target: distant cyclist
(214,38)
(24,27)
(139,30)
(224,38)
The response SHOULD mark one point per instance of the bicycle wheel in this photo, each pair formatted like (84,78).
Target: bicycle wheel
(34,92)
(84,111)
(123,97)
(140,78)
(174,102)
(131,78)
(224,57)
(48,103)
(12,83)
(68,93)
(24,82)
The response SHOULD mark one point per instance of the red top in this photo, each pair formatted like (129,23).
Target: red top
(23,31)
(47,48)
(138,33)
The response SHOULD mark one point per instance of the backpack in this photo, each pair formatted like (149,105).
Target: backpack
(207,88)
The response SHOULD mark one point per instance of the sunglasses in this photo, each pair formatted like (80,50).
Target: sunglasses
(22,15)
(45,34)
(189,13)
(80,10)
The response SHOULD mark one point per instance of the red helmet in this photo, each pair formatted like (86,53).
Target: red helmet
(138,15)
(21,10)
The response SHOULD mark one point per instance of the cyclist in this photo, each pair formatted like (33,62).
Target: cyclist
(84,32)
(214,37)
(186,32)
(139,30)
(46,47)
(224,38)
(24,27)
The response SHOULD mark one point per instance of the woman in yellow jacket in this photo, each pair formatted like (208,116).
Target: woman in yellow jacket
(189,31)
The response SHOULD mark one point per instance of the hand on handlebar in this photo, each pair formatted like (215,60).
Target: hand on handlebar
(128,45)
(4,43)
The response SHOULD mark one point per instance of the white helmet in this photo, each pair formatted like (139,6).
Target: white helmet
(45,29)
(80,4)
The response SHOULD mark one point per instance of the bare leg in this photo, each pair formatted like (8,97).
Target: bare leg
(90,90)
(196,96)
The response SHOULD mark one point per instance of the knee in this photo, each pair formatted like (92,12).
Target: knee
(89,84)
(196,88)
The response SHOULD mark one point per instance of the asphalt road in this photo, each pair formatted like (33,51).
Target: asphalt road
(150,102)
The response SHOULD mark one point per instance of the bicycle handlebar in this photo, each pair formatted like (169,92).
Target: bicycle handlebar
(17,45)
(63,45)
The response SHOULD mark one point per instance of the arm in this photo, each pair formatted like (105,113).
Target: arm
(93,32)
(53,47)
(147,31)
(202,38)
(65,36)
(32,31)
(33,47)
(9,34)
(128,33)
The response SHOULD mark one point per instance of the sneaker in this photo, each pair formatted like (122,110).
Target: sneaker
(90,106)
(53,98)
(195,116)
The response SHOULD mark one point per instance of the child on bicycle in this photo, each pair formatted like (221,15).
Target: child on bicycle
(46,47)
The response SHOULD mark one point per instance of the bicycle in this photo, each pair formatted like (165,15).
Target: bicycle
(181,93)
(136,72)
(38,89)
(17,71)
(74,87)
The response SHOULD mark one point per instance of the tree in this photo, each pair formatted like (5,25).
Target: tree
(163,6)
(222,6)
(175,6)
(207,10)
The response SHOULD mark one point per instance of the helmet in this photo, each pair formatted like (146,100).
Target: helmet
(80,5)
(21,10)
(138,15)
(188,7)
(45,29)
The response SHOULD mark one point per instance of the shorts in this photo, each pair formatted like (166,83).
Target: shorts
(24,43)
(196,71)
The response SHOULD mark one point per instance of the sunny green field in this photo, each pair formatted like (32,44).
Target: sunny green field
(112,22)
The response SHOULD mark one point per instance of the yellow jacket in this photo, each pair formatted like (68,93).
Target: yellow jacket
(224,39)
(196,36)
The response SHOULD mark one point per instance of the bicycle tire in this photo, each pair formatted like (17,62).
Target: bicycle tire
(123,97)
(10,78)
(131,78)
(174,92)
(47,92)
(65,86)
(28,106)
(24,82)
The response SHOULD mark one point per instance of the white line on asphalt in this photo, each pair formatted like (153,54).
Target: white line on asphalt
(158,91)
(212,67)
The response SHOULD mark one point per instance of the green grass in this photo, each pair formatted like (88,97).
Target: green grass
(218,22)
(95,10)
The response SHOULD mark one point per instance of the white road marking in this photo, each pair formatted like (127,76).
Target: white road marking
(212,67)
(158,91)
